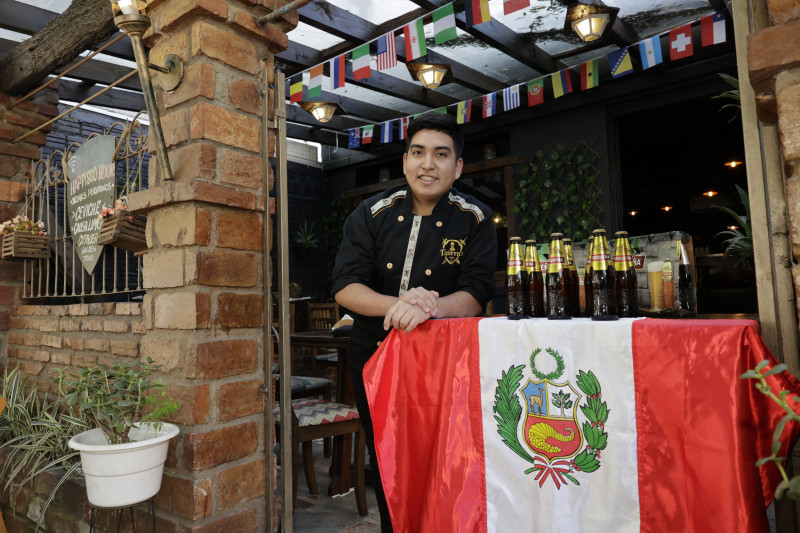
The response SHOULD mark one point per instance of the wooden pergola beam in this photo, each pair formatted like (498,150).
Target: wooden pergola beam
(84,24)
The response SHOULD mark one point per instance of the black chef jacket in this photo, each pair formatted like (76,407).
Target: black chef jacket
(388,248)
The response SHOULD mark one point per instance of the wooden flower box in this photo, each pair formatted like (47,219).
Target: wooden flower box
(25,246)
(125,231)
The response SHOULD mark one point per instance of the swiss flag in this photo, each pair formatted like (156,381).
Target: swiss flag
(636,425)
(680,42)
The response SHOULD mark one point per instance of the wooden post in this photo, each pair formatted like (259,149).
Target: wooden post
(765,183)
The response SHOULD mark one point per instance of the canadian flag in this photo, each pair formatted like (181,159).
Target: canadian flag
(580,426)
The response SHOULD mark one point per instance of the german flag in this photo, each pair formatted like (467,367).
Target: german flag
(296,89)
(476,11)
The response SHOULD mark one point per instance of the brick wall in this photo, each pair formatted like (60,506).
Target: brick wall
(201,317)
(45,337)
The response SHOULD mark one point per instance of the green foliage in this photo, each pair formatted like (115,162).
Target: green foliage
(509,410)
(789,487)
(306,235)
(335,215)
(740,241)
(556,191)
(115,398)
(561,399)
(36,432)
(732,94)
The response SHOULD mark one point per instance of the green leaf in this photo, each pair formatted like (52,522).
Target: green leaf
(777,369)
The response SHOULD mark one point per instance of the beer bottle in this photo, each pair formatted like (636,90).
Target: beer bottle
(573,278)
(516,281)
(625,276)
(667,286)
(557,281)
(685,296)
(604,303)
(587,277)
(535,282)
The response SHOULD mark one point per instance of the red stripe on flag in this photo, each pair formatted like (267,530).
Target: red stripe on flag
(437,402)
(723,437)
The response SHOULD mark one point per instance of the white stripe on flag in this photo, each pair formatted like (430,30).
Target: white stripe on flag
(511,98)
(386,52)
(386,131)
(608,498)
(650,52)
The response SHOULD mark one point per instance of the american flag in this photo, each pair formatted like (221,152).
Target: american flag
(387,55)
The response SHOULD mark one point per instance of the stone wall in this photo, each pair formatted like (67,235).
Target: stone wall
(774,62)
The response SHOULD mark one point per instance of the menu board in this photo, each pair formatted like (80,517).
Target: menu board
(91,172)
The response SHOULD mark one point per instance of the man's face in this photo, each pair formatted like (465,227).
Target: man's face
(431,168)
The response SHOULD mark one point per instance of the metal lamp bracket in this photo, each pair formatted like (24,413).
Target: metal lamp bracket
(171,74)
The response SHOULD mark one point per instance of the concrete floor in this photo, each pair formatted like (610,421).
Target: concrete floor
(324,514)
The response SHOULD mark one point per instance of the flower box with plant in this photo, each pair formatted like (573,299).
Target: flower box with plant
(123,457)
(24,239)
(122,229)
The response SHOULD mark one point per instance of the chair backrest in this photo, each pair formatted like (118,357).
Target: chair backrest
(322,315)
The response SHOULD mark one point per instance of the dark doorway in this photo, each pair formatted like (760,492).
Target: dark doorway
(675,157)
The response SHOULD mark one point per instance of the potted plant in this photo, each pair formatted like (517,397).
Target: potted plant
(123,457)
(24,239)
(120,228)
(740,241)
(306,238)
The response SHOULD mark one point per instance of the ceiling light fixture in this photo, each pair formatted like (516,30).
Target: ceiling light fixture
(733,164)
(710,194)
(667,208)
(431,75)
(589,21)
(633,213)
(322,111)
(733,228)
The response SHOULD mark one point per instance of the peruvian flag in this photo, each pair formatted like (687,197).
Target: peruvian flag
(580,426)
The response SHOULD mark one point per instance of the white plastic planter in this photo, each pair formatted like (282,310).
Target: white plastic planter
(119,475)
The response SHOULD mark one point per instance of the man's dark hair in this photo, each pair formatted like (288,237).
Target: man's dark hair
(440,122)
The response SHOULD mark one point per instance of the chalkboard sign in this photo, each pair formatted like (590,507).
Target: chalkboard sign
(92,180)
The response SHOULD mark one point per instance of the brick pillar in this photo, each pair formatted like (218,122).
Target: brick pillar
(774,59)
(203,275)
(15,169)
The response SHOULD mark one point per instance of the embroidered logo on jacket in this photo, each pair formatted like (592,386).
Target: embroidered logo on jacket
(452,250)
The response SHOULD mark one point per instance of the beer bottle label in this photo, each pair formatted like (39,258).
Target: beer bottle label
(555,264)
(514,266)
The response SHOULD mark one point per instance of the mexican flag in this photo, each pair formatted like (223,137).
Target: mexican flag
(580,426)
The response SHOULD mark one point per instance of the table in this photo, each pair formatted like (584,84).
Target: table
(341,479)
(633,425)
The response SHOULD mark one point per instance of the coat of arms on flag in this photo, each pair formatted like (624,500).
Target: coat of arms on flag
(551,429)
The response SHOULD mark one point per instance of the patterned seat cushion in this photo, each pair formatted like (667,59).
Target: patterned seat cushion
(313,412)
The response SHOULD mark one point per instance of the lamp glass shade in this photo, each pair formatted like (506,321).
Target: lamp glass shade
(591,27)
(323,112)
(431,76)
(128,7)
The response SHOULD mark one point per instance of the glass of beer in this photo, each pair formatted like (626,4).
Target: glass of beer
(654,273)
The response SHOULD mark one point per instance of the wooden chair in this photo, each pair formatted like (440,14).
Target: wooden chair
(322,316)
(320,419)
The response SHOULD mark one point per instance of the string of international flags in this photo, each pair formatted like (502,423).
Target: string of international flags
(649,50)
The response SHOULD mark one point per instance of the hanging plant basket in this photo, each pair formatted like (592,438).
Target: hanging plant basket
(25,246)
(125,231)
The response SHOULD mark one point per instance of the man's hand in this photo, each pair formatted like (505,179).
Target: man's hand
(404,315)
(427,300)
